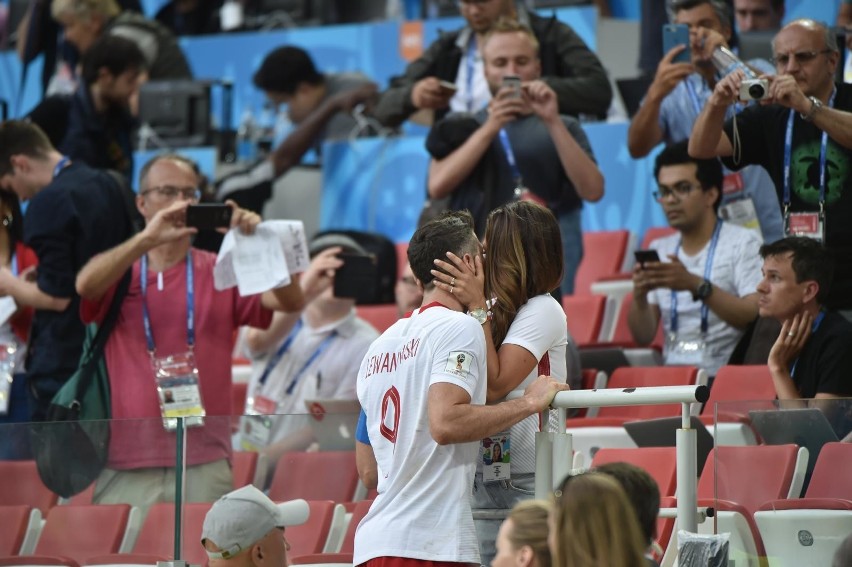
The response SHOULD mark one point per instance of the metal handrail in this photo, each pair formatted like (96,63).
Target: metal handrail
(554,449)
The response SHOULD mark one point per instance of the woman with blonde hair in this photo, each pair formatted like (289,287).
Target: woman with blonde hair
(526,333)
(522,540)
(594,525)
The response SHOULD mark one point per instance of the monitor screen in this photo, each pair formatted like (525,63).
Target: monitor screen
(177,111)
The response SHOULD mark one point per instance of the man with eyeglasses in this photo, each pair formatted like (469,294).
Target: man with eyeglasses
(674,101)
(802,135)
(73,213)
(175,332)
(703,284)
(449,76)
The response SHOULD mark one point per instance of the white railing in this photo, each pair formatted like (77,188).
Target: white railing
(553,450)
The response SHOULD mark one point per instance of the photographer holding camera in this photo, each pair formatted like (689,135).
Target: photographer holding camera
(802,134)
(684,80)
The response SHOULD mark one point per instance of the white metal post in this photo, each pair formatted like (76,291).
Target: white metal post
(687,473)
(543,464)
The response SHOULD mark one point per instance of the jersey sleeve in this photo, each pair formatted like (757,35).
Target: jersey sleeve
(459,355)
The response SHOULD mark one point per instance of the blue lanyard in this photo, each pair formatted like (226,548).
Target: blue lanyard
(61,164)
(190,303)
(693,96)
(708,268)
(788,149)
(510,157)
(285,346)
(696,103)
(14,263)
(471,67)
(814,328)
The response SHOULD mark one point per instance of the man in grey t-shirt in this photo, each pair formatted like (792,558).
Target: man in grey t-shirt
(320,107)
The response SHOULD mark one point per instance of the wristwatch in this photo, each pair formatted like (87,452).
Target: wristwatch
(816,104)
(703,292)
(480,314)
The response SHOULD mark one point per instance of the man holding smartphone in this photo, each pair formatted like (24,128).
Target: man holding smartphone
(700,281)
(676,96)
(520,147)
(174,332)
(570,68)
(307,354)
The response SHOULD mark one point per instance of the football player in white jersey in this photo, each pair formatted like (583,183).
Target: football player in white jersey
(422,387)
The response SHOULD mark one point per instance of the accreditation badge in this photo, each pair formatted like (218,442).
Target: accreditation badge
(496,457)
(811,225)
(685,349)
(176,377)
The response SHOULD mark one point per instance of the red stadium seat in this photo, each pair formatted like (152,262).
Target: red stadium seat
(603,255)
(321,475)
(585,316)
(22,485)
(379,316)
(20,526)
(811,528)
(313,535)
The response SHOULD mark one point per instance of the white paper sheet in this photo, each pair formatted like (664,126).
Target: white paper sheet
(264,260)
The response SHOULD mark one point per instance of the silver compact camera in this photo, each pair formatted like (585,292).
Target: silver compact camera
(754,89)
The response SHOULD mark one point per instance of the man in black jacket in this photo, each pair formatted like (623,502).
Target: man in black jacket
(568,66)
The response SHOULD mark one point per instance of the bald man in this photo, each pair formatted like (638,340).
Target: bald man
(805,122)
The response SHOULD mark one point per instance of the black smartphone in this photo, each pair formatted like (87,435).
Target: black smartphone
(356,278)
(677,34)
(448,88)
(209,216)
(644,256)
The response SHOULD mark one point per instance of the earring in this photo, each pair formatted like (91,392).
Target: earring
(7,220)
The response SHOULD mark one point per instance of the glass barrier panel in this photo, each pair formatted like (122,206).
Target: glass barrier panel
(767,457)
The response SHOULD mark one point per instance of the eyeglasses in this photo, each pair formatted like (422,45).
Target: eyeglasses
(680,190)
(801,57)
(170,192)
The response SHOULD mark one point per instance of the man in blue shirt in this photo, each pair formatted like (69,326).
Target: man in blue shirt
(675,99)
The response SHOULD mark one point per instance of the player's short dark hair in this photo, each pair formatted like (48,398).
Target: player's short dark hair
(810,261)
(284,68)
(449,232)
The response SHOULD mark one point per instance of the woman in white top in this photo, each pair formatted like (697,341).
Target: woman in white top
(526,332)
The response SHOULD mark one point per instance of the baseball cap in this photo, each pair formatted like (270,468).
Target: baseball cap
(242,517)
(330,239)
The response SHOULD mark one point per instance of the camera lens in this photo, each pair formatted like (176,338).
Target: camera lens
(756,91)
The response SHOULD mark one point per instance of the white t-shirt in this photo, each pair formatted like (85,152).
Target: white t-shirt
(330,375)
(541,328)
(422,510)
(473,92)
(736,269)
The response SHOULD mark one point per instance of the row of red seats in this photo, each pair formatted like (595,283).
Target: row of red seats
(754,494)
(109,534)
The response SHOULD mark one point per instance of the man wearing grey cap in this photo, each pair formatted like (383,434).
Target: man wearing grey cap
(245,527)
(304,355)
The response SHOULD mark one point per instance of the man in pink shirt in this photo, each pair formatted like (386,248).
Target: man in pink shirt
(169,354)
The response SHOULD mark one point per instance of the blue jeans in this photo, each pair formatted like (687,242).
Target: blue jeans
(572,247)
(501,495)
